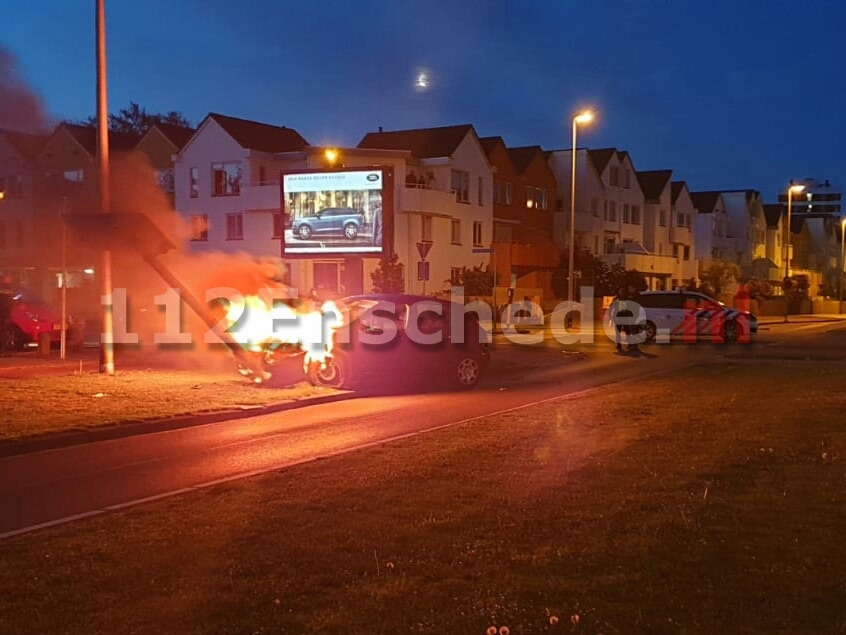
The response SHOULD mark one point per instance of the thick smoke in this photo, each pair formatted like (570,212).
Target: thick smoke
(20,108)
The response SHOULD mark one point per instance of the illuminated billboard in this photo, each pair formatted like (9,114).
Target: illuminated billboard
(338,212)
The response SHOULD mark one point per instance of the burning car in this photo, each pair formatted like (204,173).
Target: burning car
(369,340)
(29,318)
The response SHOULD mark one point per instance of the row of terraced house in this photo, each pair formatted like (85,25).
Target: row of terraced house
(474,201)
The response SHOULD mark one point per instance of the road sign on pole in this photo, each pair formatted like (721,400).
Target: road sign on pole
(423,270)
(423,249)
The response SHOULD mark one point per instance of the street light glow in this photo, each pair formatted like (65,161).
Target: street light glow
(331,155)
(584,117)
(797,189)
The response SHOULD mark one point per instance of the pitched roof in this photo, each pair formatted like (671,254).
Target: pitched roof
(773,212)
(424,143)
(675,189)
(523,156)
(653,182)
(489,143)
(264,137)
(601,158)
(27,144)
(87,138)
(704,202)
(177,135)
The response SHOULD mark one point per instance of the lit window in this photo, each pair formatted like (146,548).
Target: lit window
(481,191)
(226,179)
(200,227)
(426,229)
(461,186)
(508,193)
(194,186)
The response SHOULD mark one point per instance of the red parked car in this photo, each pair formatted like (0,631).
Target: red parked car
(29,317)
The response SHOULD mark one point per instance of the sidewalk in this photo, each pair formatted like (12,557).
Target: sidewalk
(802,318)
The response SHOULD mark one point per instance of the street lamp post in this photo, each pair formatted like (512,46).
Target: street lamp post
(793,189)
(842,259)
(582,117)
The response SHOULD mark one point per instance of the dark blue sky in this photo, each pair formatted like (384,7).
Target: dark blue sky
(728,94)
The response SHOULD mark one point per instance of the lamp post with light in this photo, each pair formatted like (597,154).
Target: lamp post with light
(583,117)
(793,189)
(842,259)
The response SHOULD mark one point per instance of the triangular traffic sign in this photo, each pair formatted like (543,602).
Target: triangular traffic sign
(423,249)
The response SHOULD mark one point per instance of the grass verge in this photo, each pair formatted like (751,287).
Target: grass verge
(707,502)
(31,407)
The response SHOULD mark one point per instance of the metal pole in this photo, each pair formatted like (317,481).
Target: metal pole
(63,342)
(572,247)
(107,357)
(787,250)
(842,259)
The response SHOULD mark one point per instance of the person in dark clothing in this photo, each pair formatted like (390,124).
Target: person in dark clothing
(633,300)
(620,311)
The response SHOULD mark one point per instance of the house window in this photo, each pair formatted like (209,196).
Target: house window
(612,211)
(456,232)
(605,210)
(200,227)
(19,234)
(635,215)
(615,176)
(675,251)
(73,179)
(496,191)
(609,244)
(455,276)
(508,193)
(543,202)
(262,175)
(662,218)
(626,216)
(234,227)
(226,179)
(680,219)
(477,234)
(426,229)
(461,185)
(195,178)
(278,225)
(165,180)
(530,197)
(687,252)
(481,191)
(627,179)
(594,208)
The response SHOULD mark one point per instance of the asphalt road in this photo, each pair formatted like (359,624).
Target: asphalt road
(54,486)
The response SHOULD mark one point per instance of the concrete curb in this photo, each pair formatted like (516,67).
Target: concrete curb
(122,429)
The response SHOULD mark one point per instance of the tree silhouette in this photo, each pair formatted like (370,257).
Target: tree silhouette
(137,120)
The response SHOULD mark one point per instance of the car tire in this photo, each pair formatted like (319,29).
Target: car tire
(650,331)
(350,231)
(331,373)
(13,338)
(731,332)
(467,371)
(304,232)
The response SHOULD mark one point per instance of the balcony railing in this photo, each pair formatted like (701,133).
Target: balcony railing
(421,199)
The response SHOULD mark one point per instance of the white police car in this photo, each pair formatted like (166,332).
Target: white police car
(692,315)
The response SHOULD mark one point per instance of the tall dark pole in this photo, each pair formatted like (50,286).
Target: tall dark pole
(107,353)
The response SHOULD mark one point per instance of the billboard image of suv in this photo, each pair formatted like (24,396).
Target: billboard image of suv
(334,212)
(331,221)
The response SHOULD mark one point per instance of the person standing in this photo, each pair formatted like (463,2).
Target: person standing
(633,300)
(620,310)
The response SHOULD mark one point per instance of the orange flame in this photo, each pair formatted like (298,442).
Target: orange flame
(257,326)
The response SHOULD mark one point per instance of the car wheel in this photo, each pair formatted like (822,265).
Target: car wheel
(350,231)
(730,332)
(650,331)
(13,338)
(468,371)
(304,232)
(331,373)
